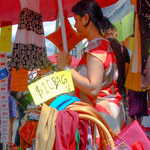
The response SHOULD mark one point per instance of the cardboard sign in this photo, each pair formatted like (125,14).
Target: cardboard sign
(19,79)
(51,86)
(3,73)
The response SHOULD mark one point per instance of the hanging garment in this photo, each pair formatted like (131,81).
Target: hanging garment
(45,135)
(66,127)
(143,10)
(29,49)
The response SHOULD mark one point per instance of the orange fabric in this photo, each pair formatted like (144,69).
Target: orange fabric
(72,37)
(133,80)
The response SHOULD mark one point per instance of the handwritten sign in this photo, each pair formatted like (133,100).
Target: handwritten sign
(51,86)
(3,73)
(19,79)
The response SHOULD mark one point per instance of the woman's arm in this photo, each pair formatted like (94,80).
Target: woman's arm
(92,84)
(95,70)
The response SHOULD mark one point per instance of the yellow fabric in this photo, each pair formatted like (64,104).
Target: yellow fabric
(133,80)
(5,39)
(45,135)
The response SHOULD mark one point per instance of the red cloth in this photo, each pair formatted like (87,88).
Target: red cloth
(10,9)
(137,146)
(83,130)
(66,127)
(28,131)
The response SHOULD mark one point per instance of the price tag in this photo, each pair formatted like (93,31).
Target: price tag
(3,89)
(3,64)
(3,97)
(5,122)
(4,105)
(3,73)
(3,56)
(4,138)
(5,130)
(4,81)
(5,113)
(51,86)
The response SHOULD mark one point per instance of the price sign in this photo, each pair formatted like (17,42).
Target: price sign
(51,86)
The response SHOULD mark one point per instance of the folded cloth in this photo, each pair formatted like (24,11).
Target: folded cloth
(61,102)
(66,127)
(45,135)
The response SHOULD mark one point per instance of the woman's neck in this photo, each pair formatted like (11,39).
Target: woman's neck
(92,33)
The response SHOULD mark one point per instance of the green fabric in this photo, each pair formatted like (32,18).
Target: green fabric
(77,137)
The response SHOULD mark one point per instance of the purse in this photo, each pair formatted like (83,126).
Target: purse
(133,134)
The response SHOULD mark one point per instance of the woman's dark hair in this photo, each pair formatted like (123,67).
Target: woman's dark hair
(92,8)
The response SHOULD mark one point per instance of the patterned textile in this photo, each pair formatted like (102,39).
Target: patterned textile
(12,107)
(143,9)
(108,100)
(29,49)
(28,132)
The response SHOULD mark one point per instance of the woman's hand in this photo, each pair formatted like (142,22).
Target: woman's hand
(63,59)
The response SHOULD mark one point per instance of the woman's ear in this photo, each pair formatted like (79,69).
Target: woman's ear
(86,19)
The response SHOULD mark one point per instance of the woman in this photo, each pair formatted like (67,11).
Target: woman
(96,75)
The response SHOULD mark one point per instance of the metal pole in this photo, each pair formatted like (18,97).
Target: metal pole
(63,29)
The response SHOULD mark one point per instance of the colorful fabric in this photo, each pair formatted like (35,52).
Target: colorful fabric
(28,131)
(29,49)
(66,127)
(143,11)
(12,107)
(61,102)
(108,100)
